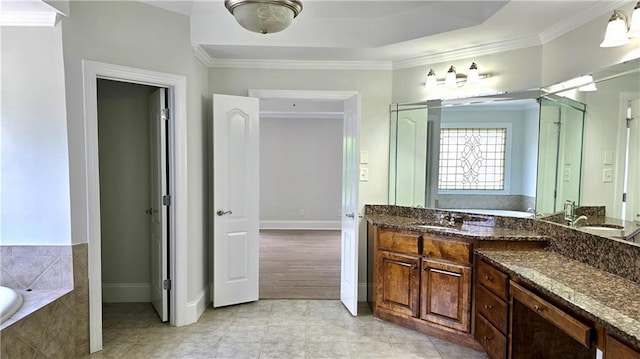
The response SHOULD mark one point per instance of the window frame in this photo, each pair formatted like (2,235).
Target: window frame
(507,156)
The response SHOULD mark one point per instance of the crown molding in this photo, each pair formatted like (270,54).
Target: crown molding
(300,64)
(202,56)
(571,23)
(474,51)
(29,18)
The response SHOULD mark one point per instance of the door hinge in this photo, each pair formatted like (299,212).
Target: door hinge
(164,114)
(166,284)
(624,197)
(166,200)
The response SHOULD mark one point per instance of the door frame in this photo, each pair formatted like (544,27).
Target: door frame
(318,95)
(177,86)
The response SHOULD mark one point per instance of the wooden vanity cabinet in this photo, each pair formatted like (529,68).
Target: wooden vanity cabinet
(616,349)
(423,280)
(492,309)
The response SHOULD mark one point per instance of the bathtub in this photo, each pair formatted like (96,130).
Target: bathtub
(497,212)
(10,302)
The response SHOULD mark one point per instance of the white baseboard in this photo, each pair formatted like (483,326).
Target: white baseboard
(362,292)
(198,306)
(126,292)
(314,225)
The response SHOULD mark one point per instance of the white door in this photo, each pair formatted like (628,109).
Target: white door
(350,178)
(236,195)
(633,169)
(159,187)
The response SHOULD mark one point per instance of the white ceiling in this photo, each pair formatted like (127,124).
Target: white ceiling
(404,33)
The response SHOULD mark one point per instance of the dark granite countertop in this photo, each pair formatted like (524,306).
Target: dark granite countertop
(477,228)
(600,296)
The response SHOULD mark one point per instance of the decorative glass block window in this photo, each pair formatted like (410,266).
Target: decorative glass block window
(472,158)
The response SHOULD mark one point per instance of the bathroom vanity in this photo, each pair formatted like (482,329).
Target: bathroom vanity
(498,284)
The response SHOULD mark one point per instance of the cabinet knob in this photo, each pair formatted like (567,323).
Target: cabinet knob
(488,277)
(486,338)
(538,308)
(488,306)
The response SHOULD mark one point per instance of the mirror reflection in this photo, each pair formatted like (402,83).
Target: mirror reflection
(526,153)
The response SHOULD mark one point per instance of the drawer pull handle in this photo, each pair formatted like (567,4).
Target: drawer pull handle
(538,308)
(414,266)
(488,278)
(488,306)
(486,338)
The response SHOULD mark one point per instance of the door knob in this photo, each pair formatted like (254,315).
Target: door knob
(350,215)
(222,213)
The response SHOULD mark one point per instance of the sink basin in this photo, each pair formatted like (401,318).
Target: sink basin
(602,227)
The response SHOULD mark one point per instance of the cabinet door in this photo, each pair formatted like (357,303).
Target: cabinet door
(398,283)
(617,350)
(446,294)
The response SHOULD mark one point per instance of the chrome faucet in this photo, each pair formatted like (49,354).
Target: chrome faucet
(575,221)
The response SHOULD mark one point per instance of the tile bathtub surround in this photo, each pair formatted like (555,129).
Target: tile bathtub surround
(36,267)
(61,319)
(268,329)
(482,201)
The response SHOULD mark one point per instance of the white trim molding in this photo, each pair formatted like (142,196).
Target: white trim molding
(198,306)
(126,292)
(178,260)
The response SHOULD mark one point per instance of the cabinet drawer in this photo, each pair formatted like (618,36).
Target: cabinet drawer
(494,309)
(491,339)
(579,331)
(493,279)
(617,350)
(393,241)
(447,249)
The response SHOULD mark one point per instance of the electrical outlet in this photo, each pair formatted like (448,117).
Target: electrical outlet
(301,212)
(607,175)
(364,174)
(566,175)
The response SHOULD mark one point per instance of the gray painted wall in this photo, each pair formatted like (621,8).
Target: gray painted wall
(123,137)
(300,169)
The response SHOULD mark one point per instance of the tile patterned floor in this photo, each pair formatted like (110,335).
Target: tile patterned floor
(285,329)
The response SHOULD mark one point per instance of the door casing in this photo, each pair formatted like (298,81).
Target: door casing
(323,95)
(177,86)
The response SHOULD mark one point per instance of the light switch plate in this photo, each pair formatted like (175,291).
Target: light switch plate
(607,175)
(566,175)
(364,157)
(608,157)
(364,174)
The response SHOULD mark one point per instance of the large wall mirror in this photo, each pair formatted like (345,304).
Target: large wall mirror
(481,154)
(523,153)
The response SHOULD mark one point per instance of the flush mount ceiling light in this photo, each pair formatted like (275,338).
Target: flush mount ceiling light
(453,79)
(264,16)
(620,29)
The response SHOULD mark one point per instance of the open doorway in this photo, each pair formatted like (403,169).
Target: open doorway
(176,151)
(132,146)
(300,198)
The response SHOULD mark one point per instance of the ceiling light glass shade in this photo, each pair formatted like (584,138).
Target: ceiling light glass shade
(450,78)
(473,75)
(616,33)
(634,28)
(264,16)
(432,80)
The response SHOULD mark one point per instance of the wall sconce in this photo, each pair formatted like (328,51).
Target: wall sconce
(454,80)
(621,27)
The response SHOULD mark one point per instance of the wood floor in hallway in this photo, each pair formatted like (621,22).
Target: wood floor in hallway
(299,264)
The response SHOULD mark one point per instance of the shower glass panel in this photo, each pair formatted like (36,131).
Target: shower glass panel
(559,153)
